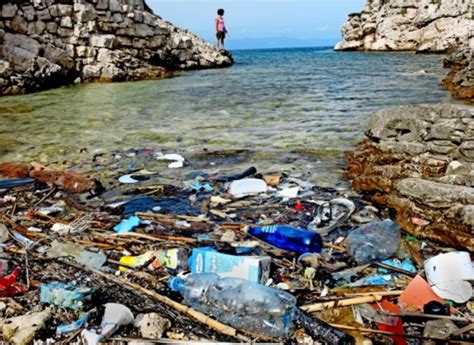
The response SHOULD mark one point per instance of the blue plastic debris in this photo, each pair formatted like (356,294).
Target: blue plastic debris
(406,265)
(141,204)
(64,295)
(197,186)
(15,182)
(373,281)
(67,328)
(127,225)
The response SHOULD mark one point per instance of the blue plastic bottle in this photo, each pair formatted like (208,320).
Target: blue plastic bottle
(288,238)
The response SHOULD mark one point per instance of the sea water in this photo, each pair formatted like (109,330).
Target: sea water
(295,110)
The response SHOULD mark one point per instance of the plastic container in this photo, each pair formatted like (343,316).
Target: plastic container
(374,241)
(240,303)
(323,332)
(288,238)
(173,259)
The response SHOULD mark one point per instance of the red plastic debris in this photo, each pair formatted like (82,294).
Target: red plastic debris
(398,328)
(9,286)
(299,206)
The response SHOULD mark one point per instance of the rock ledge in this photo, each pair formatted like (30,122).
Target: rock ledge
(48,43)
(419,160)
(415,25)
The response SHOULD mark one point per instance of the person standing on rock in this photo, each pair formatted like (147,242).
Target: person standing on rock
(220,29)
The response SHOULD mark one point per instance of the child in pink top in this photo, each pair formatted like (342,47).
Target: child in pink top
(220,29)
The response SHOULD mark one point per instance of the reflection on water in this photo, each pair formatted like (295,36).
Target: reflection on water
(293,109)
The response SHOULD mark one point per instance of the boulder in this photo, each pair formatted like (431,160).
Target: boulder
(419,160)
(9,10)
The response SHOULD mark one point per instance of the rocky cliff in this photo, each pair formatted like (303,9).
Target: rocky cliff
(417,25)
(47,43)
(420,162)
(460,80)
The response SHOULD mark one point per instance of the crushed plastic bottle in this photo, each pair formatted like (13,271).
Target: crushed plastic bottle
(65,295)
(240,303)
(323,332)
(288,238)
(374,241)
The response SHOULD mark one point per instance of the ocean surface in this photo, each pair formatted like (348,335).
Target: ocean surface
(294,110)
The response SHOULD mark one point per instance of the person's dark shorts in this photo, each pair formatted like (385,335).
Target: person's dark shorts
(220,35)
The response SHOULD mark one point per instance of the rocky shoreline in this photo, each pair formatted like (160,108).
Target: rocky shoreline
(433,26)
(424,26)
(460,80)
(419,161)
(49,43)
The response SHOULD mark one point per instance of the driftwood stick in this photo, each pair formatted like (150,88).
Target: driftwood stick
(160,238)
(404,335)
(374,293)
(340,303)
(431,316)
(214,324)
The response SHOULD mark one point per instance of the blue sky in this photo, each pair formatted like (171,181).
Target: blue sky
(262,23)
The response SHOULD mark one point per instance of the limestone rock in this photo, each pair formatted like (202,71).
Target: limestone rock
(152,326)
(457,168)
(435,194)
(66,39)
(419,161)
(460,80)
(422,25)
(9,10)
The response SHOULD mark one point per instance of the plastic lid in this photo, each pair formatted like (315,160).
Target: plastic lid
(175,284)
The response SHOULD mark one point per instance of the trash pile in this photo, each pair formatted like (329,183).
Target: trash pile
(151,247)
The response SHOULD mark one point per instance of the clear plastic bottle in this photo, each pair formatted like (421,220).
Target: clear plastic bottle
(288,238)
(245,305)
(374,241)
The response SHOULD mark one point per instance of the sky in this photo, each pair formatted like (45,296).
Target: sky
(262,23)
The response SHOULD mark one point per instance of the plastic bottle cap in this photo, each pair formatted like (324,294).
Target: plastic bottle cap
(247,228)
(175,284)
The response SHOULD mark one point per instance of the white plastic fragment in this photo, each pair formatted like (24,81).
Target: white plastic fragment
(127,179)
(449,275)
(289,193)
(115,316)
(247,186)
(178,159)
(62,229)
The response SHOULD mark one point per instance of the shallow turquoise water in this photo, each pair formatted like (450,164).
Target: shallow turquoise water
(292,109)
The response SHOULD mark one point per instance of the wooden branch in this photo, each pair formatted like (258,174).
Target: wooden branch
(159,238)
(340,303)
(200,317)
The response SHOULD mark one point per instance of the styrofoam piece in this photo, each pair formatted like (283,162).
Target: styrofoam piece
(247,186)
(289,192)
(449,275)
(449,266)
(459,291)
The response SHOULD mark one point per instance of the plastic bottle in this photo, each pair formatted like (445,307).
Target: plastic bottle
(374,241)
(245,305)
(288,238)
(323,332)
